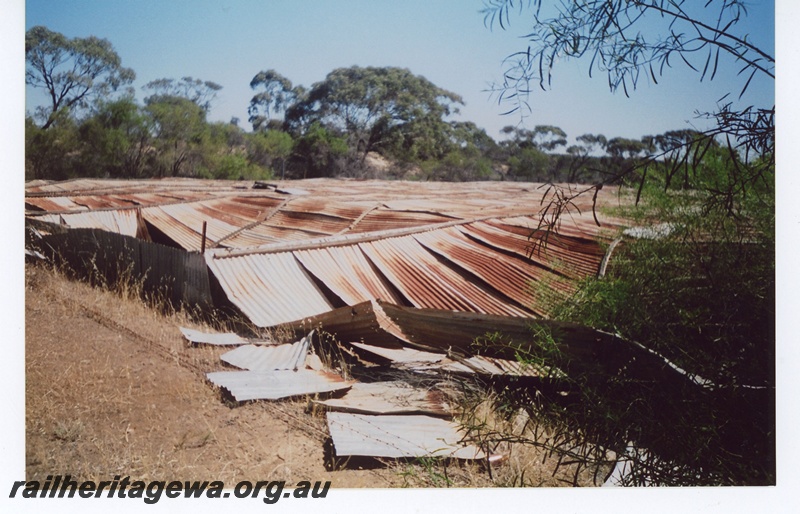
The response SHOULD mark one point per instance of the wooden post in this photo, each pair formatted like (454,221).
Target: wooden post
(203,240)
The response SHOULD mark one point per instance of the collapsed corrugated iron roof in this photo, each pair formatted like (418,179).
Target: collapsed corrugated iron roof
(284,257)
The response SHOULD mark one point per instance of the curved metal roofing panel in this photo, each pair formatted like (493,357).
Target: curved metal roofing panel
(249,207)
(511,277)
(290,356)
(192,215)
(270,289)
(187,238)
(248,238)
(386,219)
(426,282)
(120,222)
(54,203)
(346,271)
(310,221)
(569,256)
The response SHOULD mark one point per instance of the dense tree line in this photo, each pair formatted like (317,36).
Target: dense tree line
(94,126)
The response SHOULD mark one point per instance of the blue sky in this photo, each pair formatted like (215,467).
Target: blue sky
(228,42)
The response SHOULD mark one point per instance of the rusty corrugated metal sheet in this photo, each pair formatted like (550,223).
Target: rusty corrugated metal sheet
(270,289)
(247,238)
(185,237)
(346,271)
(327,206)
(575,257)
(96,202)
(478,266)
(418,360)
(310,221)
(428,283)
(276,385)
(386,219)
(250,207)
(193,215)
(406,357)
(54,204)
(395,436)
(512,277)
(365,321)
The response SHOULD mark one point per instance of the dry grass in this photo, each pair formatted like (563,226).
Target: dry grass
(112,388)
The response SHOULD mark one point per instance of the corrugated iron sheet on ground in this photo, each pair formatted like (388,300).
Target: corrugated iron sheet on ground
(268,358)
(276,385)
(222,339)
(389,398)
(398,436)
(417,360)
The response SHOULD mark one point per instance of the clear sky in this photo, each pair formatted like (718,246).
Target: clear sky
(229,41)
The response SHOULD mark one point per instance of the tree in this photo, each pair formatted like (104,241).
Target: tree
(369,104)
(114,141)
(200,92)
(321,151)
(267,148)
(178,128)
(631,40)
(49,153)
(277,95)
(71,71)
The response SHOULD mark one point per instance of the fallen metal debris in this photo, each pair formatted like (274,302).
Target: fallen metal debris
(268,358)
(389,398)
(417,360)
(398,436)
(276,385)
(224,339)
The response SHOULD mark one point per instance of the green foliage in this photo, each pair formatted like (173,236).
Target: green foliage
(277,95)
(271,148)
(322,151)
(71,71)
(529,164)
(372,105)
(234,167)
(178,128)
(197,91)
(49,152)
(113,142)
